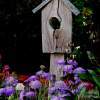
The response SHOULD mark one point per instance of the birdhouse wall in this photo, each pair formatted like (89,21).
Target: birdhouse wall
(56,40)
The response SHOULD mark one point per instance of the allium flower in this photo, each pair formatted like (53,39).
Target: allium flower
(20,86)
(68,68)
(31,78)
(79,70)
(72,62)
(61,62)
(2,91)
(9,91)
(35,84)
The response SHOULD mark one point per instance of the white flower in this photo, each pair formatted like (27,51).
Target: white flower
(78,47)
(20,86)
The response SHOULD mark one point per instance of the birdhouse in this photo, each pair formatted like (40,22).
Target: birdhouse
(56,25)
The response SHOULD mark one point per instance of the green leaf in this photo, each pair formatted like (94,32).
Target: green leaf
(95,78)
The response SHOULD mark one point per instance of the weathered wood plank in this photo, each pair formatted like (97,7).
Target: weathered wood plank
(40,6)
(51,44)
(55,68)
(71,7)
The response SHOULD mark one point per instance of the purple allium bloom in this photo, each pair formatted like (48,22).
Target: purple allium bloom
(61,85)
(9,91)
(68,68)
(72,62)
(35,84)
(61,62)
(31,78)
(79,70)
(2,90)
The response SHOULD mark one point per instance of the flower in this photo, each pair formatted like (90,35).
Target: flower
(55,98)
(46,75)
(30,94)
(22,78)
(61,62)
(77,79)
(39,73)
(19,86)
(9,81)
(2,91)
(31,78)
(68,68)
(79,70)
(21,95)
(78,47)
(52,90)
(9,91)
(72,62)
(60,85)
(35,84)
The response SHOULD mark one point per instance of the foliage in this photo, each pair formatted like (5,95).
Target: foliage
(83,25)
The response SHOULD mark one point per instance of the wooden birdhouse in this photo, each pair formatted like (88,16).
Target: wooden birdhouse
(56,31)
(56,25)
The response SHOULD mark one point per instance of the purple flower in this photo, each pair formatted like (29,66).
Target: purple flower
(79,70)
(52,90)
(9,91)
(77,79)
(31,78)
(39,73)
(61,62)
(21,95)
(35,84)
(2,91)
(68,68)
(72,62)
(55,98)
(30,94)
(46,75)
(61,85)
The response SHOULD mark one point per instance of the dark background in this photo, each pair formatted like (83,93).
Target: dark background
(20,35)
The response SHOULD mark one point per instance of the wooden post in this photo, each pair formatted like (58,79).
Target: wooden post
(56,68)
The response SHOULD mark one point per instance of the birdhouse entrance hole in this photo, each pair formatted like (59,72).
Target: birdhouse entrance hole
(54,23)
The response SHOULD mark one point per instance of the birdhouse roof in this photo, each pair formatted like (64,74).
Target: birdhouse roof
(69,5)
